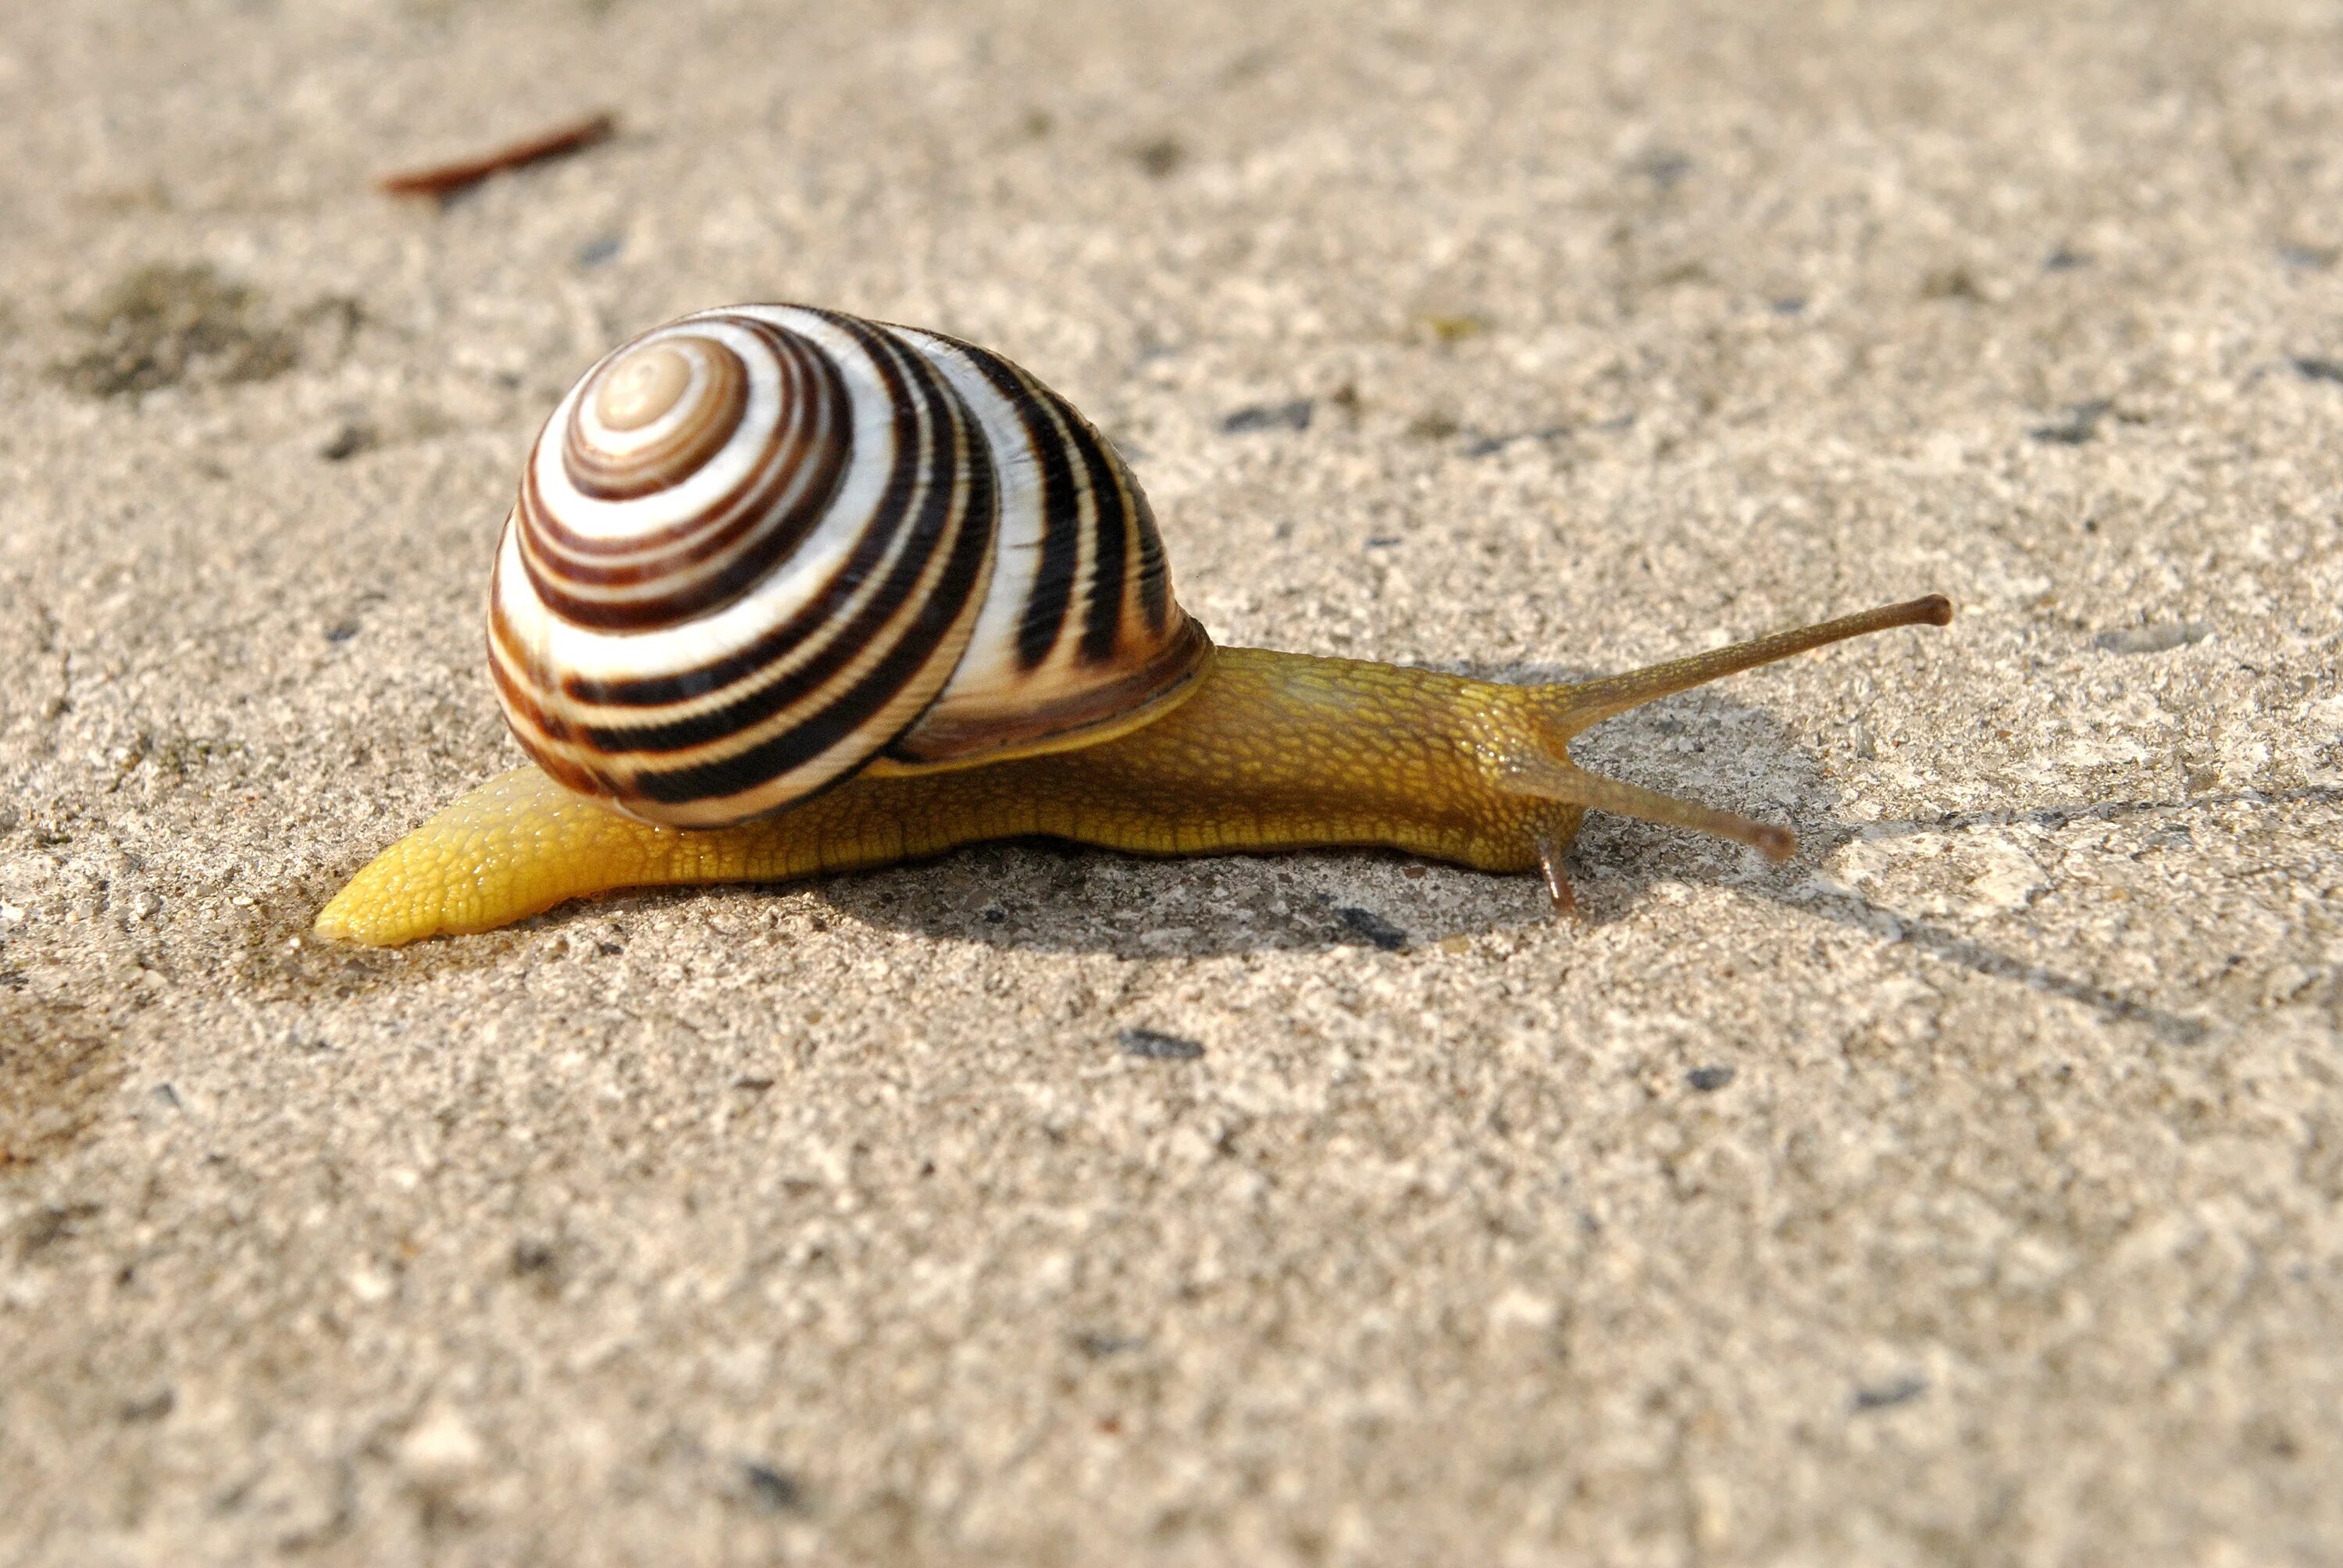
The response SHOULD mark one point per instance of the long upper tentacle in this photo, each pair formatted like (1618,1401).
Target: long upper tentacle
(1586,703)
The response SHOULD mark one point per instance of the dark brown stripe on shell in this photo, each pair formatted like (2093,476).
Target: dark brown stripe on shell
(1110,535)
(1154,574)
(1043,617)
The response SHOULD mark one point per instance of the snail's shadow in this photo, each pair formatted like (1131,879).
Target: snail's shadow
(1039,894)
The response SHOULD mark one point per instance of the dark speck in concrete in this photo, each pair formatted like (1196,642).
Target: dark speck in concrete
(348,442)
(50,1224)
(1664,167)
(1160,158)
(1153,1045)
(2082,423)
(151,1407)
(1294,416)
(1709,1080)
(1097,1346)
(774,1491)
(1885,1396)
(1372,928)
(533,1255)
(1954,283)
(2313,370)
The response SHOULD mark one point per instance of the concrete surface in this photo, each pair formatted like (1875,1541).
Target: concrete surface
(1966,1191)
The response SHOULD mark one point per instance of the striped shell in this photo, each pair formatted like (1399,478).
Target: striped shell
(763,547)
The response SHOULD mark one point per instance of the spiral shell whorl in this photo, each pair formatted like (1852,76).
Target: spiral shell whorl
(685,464)
(654,415)
(760,549)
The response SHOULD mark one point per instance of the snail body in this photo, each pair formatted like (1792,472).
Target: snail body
(785,592)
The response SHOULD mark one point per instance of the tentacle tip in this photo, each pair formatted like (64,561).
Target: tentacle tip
(1775,843)
(1936,609)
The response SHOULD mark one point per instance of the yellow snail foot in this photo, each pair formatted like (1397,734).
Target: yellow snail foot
(512,848)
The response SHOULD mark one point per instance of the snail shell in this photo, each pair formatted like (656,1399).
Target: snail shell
(761,549)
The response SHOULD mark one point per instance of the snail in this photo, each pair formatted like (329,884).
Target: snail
(786,592)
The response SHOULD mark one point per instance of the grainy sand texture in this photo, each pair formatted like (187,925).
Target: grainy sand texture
(1963,1191)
